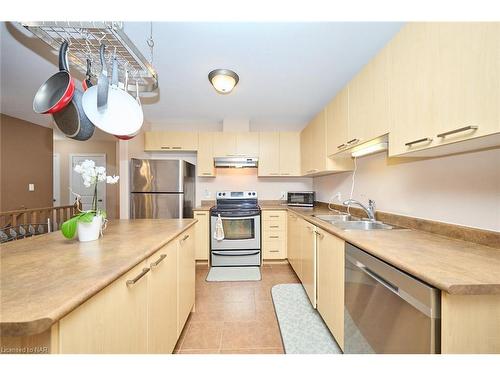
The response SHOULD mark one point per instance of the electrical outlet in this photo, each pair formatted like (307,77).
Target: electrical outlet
(283,195)
(31,187)
(207,194)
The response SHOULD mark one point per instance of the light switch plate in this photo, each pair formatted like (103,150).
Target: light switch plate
(31,187)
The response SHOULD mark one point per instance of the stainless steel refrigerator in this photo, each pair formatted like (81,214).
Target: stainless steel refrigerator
(161,189)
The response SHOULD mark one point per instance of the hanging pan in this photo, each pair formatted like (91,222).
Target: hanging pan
(58,90)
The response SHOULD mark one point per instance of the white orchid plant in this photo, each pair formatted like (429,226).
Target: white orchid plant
(91,175)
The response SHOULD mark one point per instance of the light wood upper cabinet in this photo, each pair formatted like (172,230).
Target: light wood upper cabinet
(306,145)
(202,235)
(170,141)
(279,154)
(205,158)
(224,144)
(369,110)
(247,144)
(330,284)
(444,77)
(289,153)
(337,121)
(269,154)
(114,321)
(186,276)
(162,300)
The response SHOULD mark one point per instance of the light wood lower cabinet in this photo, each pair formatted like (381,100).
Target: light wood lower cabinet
(143,311)
(308,260)
(330,273)
(202,229)
(274,234)
(113,321)
(293,243)
(162,300)
(186,268)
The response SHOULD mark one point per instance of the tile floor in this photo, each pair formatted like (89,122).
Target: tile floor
(235,317)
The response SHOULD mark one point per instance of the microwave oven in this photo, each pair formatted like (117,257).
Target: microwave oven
(301,198)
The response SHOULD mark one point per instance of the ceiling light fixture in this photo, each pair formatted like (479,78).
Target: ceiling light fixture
(223,80)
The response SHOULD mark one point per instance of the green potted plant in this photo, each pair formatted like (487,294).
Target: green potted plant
(88,224)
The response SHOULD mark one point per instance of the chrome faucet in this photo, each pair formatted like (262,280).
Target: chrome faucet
(370,210)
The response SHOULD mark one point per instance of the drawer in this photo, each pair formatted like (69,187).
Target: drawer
(273,215)
(273,226)
(274,250)
(273,235)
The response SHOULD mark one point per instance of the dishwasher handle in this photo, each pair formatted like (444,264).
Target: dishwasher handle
(393,288)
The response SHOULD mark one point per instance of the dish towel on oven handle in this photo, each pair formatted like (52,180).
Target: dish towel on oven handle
(219,229)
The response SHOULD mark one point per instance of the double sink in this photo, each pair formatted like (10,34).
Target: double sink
(348,222)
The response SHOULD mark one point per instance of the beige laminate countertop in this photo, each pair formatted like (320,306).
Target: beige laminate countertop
(43,278)
(454,266)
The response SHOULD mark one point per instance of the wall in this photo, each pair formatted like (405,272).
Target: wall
(26,157)
(227,179)
(69,146)
(461,189)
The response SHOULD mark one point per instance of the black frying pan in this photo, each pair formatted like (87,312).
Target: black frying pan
(57,91)
(72,121)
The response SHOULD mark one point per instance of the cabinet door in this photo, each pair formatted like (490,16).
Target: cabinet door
(202,235)
(269,154)
(369,101)
(225,144)
(318,146)
(289,154)
(114,321)
(247,144)
(469,79)
(306,153)
(205,157)
(337,122)
(162,300)
(294,244)
(308,260)
(171,141)
(330,251)
(186,277)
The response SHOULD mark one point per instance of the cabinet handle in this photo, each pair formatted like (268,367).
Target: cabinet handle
(320,235)
(206,173)
(176,148)
(274,226)
(427,139)
(274,236)
(138,277)
(353,141)
(341,146)
(274,251)
(465,128)
(154,264)
(285,174)
(273,215)
(200,214)
(312,170)
(165,148)
(185,238)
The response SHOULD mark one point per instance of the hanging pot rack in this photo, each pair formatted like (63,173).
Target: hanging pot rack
(84,40)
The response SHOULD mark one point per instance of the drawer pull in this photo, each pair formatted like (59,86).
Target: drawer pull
(176,148)
(274,251)
(274,236)
(155,264)
(206,174)
(274,216)
(353,141)
(274,226)
(165,148)
(320,235)
(185,237)
(200,214)
(138,277)
(341,146)
(426,139)
(312,170)
(465,128)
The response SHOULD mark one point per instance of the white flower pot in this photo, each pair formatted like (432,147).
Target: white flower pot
(90,231)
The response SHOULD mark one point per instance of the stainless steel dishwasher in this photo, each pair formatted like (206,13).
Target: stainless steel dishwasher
(387,310)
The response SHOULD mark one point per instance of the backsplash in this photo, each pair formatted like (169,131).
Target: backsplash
(460,189)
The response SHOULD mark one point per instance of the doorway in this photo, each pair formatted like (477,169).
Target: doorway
(76,182)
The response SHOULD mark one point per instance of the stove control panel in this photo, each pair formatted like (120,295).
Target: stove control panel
(236,195)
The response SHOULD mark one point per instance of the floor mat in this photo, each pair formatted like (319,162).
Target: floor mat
(234,274)
(302,329)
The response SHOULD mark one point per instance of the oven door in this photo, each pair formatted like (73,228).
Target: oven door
(240,233)
(234,258)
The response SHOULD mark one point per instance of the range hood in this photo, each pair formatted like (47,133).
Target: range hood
(236,162)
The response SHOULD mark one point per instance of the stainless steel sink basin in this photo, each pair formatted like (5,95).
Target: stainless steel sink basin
(362,225)
(335,218)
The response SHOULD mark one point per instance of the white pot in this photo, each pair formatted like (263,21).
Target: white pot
(90,231)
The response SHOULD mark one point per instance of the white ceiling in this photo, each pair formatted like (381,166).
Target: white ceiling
(288,71)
